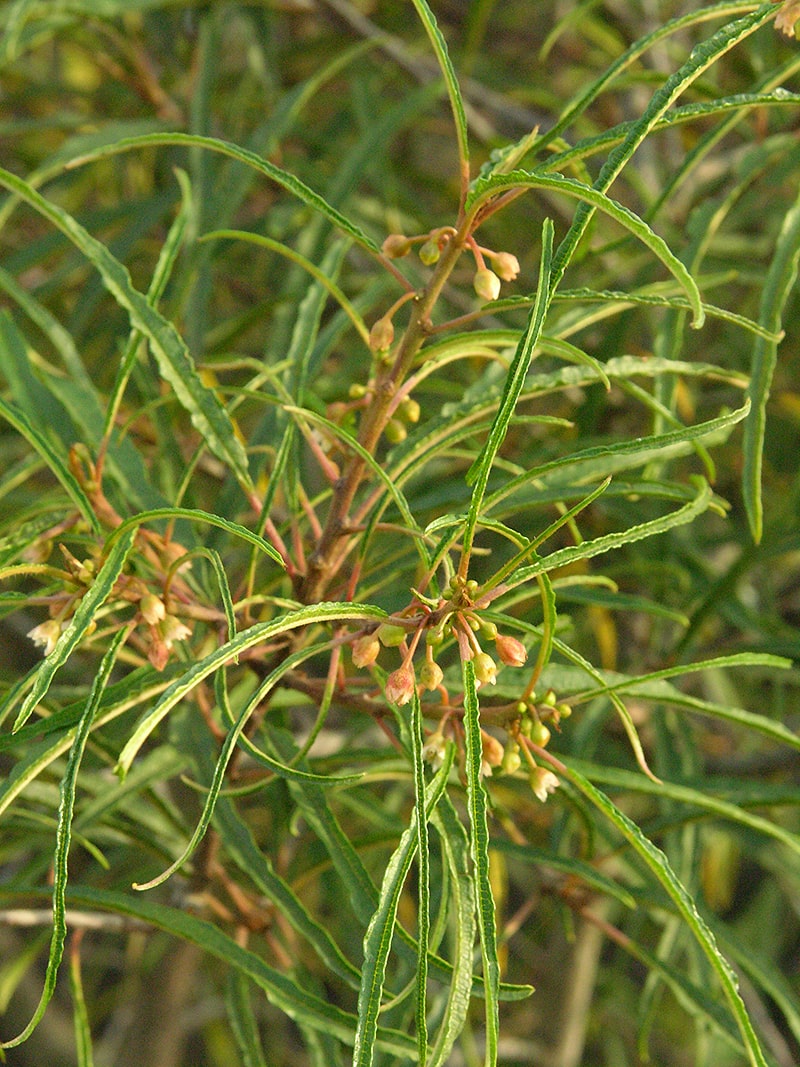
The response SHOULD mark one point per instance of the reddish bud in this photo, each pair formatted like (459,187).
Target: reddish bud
(396,246)
(511,651)
(400,686)
(381,335)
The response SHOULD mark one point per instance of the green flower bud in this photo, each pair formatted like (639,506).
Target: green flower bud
(389,635)
(429,252)
(486,284)
(409,409)
(395,432)
(381,335)
(485,668)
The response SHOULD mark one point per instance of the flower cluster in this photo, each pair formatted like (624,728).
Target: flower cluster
(457,615)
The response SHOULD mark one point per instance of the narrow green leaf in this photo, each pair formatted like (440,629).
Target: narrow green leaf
(380,932)
(175,363)
(243,1022)
(778,284)
(593,199)
(281,177)
(22,425)
(423,879)
(453,91)
(80,1016)
(195,515)
(64,832)
(660,866)
(478,474)
(561,557)
(702,57)
(281,990)
(455,847)
(257,634)
(479,848)
(78,625)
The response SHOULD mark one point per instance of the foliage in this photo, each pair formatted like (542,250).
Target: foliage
(398,481)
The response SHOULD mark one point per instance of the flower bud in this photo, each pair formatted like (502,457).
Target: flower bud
(152,608)
(430,675)
(381,335)
(486,284)
(539,733)
(400,686)
(396,246)
(492,750)
(511,758)
(506,266)
(389,635)
(429,252)
(395,432)
(543,783)
(511,651)
(356,391)
(365,650)
(409,409)
(485,668)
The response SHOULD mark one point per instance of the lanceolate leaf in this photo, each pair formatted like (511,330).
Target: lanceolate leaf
(479,847)
(660,866)
(777,287)
(63,835)
(168,347)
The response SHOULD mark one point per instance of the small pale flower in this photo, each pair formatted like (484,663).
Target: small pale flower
(506,266)
(152,608)
(486,284)
(400,686)
(543,783)
(45,635)
(434,749)
(788,17)
(365,650)
(172,630)
(485,668)
(511,651)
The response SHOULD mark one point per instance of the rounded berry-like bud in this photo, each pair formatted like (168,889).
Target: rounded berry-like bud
(389,635)
(539,734)
(511,651)
(485,668)
(396,246)
(543,783)
(365,650)
(409,409)
(486,284)
(430,675)
(152,608)
(357,391)
(506,266)
(395,432)
(381,335)
(511,758)
(400,686)
(429,252)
